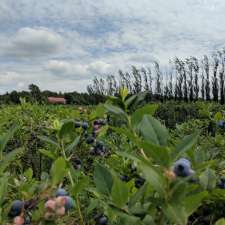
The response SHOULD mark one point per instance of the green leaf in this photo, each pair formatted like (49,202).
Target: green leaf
(3,188)
(47,153)
(153,131)
(220,222)
(208,179)
(66,129)
(160,155)
(176,214)
(137,116)
(178,192)
(130,156)
(58,171)
(148,220)
(49,141)
(154,178)
(115,110)
(56,124)
(218,116)
(73,145)
(192,202)
(119,193)
(139,100)
(4,139)
(94,203)
(10,157)
(103,179)
(130,100)
(126,132)
(80,186)
(124,218)
(138,195)
(28,174)
(99,112)
(187,143)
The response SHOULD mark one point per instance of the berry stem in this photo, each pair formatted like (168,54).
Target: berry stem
(77,200)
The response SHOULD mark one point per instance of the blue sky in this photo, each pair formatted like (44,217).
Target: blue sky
(61,45)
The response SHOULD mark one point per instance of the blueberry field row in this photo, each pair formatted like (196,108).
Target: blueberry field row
(122,162)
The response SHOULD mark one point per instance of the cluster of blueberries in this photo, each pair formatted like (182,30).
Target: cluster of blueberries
(56,206)
(98,148)
(59,205)
(138,180)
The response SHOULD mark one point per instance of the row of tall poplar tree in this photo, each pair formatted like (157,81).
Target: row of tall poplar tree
(187,79)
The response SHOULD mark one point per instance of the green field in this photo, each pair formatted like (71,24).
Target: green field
(122,162)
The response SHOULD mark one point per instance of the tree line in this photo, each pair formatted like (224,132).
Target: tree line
(187,80)
(34,94)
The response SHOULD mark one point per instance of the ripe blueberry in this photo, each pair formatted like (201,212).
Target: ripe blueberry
(182,168)
(69,203)
(16,208)
(124,178)
(61,192)
(139,181)
(85,125)
(103,220)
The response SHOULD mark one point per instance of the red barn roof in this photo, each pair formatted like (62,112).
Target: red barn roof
(56,100)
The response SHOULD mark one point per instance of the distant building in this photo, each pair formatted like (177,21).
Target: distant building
(56,100)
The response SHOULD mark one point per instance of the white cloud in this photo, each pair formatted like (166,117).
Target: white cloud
(65,69)
(33,42)
(99,67)
(76,71)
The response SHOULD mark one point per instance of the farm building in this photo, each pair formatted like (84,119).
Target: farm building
(56,100)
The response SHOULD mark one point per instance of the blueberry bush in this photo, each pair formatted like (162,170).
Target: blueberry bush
(121,162)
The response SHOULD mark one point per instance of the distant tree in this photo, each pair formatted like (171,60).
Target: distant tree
(196,74)
(122,79)
(170,86)
(14,97)
(180,86)
(222,76)
(128,82)
(137,82)
(145,79)
(109,89)
(202,84)
(158,81)
(207,79)
(190,65)
(215,85)
(150,80)
(35,93)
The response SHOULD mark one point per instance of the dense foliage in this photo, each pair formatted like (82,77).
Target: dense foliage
(121,162)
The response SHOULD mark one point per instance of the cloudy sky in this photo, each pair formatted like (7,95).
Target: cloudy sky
(62,44)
